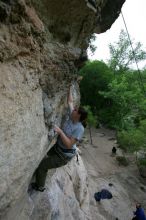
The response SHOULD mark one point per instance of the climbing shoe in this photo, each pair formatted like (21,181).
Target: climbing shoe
(37,188)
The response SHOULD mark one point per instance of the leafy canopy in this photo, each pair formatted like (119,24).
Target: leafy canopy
(122,55)
(96,76)
(115,93)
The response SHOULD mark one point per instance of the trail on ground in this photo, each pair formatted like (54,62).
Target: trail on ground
(126,185)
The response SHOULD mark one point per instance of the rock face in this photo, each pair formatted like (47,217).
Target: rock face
(66,196)
(42,45)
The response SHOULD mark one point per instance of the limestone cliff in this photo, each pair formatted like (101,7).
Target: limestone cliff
(42,45)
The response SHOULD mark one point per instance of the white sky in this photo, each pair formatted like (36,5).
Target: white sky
(134,12)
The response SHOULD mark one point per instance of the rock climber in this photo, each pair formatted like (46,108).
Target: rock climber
(65,148)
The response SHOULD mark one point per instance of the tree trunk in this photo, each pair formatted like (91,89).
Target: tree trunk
(90,135)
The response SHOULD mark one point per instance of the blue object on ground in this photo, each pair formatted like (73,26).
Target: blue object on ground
(140,214)
(103,194)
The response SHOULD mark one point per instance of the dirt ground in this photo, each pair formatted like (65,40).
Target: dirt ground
(127,187)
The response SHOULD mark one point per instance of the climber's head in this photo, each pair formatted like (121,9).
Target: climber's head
(79,114)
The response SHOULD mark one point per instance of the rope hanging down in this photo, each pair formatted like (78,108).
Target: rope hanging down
(139,73)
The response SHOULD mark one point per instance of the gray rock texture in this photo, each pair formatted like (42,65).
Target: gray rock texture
(66,196)
(42,45)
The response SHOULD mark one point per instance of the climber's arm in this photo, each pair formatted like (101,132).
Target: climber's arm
(70,100)
(68,142)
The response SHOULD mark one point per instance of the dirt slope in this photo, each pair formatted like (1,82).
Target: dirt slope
(128,187)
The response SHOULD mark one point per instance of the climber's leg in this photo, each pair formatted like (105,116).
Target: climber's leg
(53,160)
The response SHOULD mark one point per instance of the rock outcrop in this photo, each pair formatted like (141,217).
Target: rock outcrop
(42,45)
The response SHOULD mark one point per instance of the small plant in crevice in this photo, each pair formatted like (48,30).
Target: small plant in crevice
(122,160)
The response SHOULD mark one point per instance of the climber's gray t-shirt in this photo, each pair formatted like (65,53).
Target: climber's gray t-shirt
(74,130)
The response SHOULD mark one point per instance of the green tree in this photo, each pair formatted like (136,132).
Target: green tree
(96,76)
(133,140)
(127,100)
(122,55)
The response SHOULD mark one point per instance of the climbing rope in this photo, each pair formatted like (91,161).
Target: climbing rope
(139,73)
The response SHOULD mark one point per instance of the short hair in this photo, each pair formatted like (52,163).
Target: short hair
(138,205)
(83,115)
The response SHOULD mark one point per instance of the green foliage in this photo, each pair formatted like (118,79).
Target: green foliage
(96,76)
(142,162)
(131,140)
(116,93)
(122,160)
(91,119)
(142,126)
(122,54)
(128,103)
(134,139)
(118,103)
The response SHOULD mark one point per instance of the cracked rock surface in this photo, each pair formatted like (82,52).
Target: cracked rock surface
(42,45)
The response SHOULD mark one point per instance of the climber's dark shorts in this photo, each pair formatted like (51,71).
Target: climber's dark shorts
(54,159)
(58,151)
